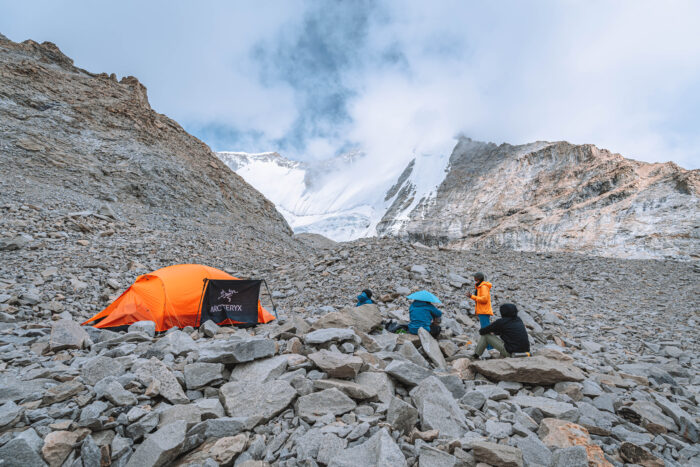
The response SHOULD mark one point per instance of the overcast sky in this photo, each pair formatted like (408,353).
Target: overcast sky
(311,79)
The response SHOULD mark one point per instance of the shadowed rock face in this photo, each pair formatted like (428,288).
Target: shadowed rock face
(554,197)
(80,135)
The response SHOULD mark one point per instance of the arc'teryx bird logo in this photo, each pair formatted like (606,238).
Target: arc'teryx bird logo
(227,294)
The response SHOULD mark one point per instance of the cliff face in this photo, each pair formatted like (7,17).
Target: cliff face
(553,197)
(87,140)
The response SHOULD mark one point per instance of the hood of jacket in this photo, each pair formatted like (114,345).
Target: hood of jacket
(508,310)
(485,284)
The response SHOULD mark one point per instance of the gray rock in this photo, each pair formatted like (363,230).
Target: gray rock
(330,446)
(93,410)
(574,456)
(431,348)
(329,401)
(431,457)
(15,243)
(198,374)
(648,415)
(337,365)
(407,372)
(24,450)
(170,388)
(175,342)
(688,427)
(221,427)
(209,328)
(328,335)
(534,451)
(363,318)
(190,414)
(380,449)
(144,425)
(497,454)
(210,408)
(144,327)
(67,334)
(62,391)
(492,392)
(377,382)
(474,399)
(10,413)
(605,402)
(229,351)
(409,351)
(161,447)
(109,388)
(260,371)
(90,453)
(498,430)
(256,400)
(437,408)
(535,370)
(352,389)
(401,415)
(548,407)
(98,368)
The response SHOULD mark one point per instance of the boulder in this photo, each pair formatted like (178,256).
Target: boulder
(361,318)
(59,444)
(198,374)
(109,388)
(233,350)
(209,328)
(170,388)
(10,413)
(556,433)
(401,415)
(437,408)
(24,450)
(407,372)
(98,368)
(549,407)
(534,451)
(144,327)
(648,415)
(380,449)
(380,383)
(638,455)
(260,371)
(534,370)
(431,348)
(67,334)
(161,447)
(352,389)
(223,450)
(249,399)
(189,413)
(317,404)
(497,454)
(431,457)
(688,427)
(328,335)
(62,391)
(337,365)
(176,343)
(409,351)
(574,456)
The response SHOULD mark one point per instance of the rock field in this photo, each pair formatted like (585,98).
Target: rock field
(614,378)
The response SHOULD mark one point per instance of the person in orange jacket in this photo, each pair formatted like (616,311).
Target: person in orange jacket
(482,297)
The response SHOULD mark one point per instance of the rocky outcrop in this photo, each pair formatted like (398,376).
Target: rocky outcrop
(95,143)
(552,197)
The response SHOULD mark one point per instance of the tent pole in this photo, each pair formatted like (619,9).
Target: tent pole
(274,308)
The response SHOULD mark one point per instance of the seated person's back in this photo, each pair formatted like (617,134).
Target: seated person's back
(421,315)
(510,328)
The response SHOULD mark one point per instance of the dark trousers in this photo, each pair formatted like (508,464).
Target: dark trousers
(435,330)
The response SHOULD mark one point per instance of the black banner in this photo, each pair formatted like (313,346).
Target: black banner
(236,300)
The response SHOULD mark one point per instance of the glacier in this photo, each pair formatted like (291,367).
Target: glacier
(342,198)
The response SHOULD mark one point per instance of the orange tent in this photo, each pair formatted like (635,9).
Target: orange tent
(171,297)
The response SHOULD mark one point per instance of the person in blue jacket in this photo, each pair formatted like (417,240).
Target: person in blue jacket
(364,298)
(424,315)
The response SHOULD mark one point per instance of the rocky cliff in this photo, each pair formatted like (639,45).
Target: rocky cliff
(552,197)
(78,140)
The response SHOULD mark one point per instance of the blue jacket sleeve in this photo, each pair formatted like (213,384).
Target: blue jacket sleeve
(435,312)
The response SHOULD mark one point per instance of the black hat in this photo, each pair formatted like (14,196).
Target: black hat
(479,276)
(368,293)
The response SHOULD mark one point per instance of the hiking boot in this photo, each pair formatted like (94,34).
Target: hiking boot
(474,357)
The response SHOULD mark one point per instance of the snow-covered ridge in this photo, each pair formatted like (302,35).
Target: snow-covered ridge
(342,198)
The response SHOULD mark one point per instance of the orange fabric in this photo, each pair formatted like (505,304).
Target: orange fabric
(170,297)
(483,299)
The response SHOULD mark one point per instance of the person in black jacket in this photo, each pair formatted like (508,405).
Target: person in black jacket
(507,334)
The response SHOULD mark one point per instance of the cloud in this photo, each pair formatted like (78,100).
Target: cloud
(313,79)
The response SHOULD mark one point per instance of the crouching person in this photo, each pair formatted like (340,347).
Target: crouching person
(423,314)
(507,334)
